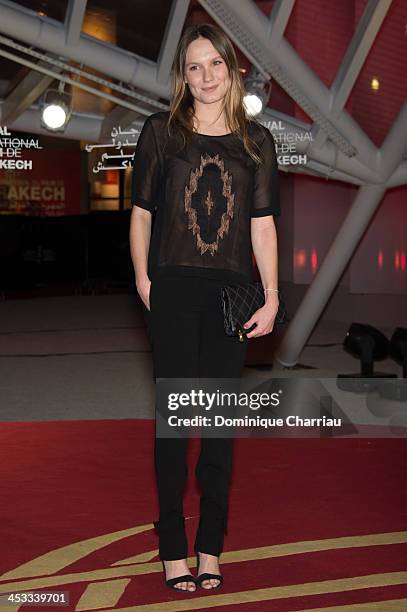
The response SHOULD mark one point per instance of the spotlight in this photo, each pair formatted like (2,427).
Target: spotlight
(370,345)
(257,93)
(56,110)
(398,347)
(398,351)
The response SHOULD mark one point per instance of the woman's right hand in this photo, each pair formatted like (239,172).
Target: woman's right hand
(143,288)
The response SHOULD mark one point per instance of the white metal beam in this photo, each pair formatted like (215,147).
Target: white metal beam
(307,314)
(118,116)
(280,15)
(394,147)
(74,20)
(355,56)
(172,34)
(351,231)
(49,34)
(80,127)
(79,84)
(26,92)
(248,27)
(328,154)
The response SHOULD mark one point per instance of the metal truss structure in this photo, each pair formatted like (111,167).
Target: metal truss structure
(340,149)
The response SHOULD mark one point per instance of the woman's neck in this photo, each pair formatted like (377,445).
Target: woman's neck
(209,125)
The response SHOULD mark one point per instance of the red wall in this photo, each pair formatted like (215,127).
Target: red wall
(51,188)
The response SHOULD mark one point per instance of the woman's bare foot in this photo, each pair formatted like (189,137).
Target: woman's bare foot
(210,564)
(176,568)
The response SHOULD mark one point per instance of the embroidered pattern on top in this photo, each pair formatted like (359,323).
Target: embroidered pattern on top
(214,204)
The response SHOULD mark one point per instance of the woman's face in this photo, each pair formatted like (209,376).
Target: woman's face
(205,72)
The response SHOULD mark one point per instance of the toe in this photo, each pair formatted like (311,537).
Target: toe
(211,583)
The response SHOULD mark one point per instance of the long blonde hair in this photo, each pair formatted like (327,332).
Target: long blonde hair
(180,122)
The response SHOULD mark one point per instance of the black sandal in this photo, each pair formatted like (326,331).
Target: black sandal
(171,582)
(206,576)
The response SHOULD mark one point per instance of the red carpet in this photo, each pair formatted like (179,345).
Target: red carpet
(314,523)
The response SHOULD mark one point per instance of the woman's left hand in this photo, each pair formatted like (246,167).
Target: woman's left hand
(264,318)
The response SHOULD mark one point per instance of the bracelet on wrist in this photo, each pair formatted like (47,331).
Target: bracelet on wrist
(270,290)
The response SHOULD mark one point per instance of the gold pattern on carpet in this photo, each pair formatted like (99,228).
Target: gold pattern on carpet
(40,573)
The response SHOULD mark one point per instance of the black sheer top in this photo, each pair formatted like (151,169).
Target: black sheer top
(204,197)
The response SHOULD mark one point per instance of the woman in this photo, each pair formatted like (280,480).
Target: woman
(211,173)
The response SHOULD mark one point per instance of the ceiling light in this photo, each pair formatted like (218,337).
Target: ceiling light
(56,110)
(257,95)
(375,84)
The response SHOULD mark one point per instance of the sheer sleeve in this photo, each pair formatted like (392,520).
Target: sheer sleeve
(266,195)
(146,170)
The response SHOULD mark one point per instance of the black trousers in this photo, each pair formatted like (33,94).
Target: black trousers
(188,340)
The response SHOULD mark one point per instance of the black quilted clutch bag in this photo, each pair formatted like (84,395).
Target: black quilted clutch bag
(240,302)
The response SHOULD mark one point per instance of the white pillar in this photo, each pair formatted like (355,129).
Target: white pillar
(367,200)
